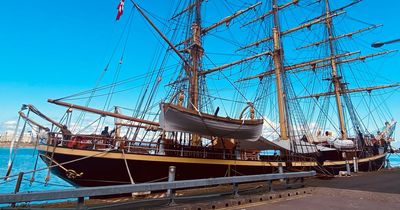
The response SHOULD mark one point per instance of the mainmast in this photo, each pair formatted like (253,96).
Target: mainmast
(332,61)
(336,79)
(196,52)
(277,57)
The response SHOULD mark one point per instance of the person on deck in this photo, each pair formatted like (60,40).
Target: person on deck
(105,132)
(66,133)
(216,112)
(111,141)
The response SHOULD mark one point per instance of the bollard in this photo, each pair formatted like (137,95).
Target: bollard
(18,185)
(280,170)
(171,178)
(348,168)
(355,164)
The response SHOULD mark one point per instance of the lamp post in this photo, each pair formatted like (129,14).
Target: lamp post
(380,44)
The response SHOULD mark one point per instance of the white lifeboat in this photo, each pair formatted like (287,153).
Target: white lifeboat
(323,138)
(175,118)
(344,144)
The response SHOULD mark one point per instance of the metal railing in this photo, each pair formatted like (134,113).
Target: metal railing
(172,185)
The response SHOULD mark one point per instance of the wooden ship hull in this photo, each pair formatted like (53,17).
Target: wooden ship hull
(100,168)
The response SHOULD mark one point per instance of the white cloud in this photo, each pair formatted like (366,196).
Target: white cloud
(10,123)
(8,126)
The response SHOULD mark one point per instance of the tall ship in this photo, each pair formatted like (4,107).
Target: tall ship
(235,88)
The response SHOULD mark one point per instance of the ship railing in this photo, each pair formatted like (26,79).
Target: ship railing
(78,141)
(200,152)
(94,142)
(99,142)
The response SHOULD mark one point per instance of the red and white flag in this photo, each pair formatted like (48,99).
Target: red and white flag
(120,9)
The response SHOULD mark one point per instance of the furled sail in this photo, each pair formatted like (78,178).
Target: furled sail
(175,118)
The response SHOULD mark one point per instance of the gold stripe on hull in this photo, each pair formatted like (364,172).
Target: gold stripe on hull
(304,164)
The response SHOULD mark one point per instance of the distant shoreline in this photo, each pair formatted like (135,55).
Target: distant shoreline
(21,145)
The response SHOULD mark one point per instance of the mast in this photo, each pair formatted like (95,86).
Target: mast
(336,79)
(277,57)
(196,51)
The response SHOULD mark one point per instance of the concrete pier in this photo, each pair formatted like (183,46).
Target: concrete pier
(366,191)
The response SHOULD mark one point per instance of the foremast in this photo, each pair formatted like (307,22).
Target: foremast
(194,49)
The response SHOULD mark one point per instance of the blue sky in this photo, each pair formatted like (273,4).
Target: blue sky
(50,49)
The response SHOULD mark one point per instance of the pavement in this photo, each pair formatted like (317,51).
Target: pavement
(384,181)
(367,191)
(330,199)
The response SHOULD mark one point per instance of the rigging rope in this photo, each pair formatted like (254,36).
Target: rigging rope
(244,97)
(14,154)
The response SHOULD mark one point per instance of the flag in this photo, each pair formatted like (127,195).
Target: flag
(120,9)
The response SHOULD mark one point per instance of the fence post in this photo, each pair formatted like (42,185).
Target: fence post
(287,183)
(269,186)
(235,190)
(171,178)
(19,181)
(18,185)
(388,163)
(81,202)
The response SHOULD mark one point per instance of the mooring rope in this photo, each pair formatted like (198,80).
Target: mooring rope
(61,164)
(127,167)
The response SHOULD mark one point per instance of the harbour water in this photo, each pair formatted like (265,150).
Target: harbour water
(25,161)
(394,160)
